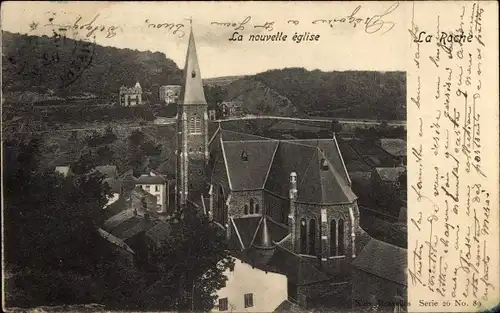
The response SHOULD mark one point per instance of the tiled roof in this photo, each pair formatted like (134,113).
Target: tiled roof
(389,173)
(150,180)
(249,173)
(229,135)
(383,260)
(116,207)
(127,224)
(159,232)
(395,147)
(114,184)
(247,228)
(115,240)
(269,163)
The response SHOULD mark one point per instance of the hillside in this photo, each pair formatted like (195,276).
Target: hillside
(49,67)
(298,92)
(259,98)
(220,81)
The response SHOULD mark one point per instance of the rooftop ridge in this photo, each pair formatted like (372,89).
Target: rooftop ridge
(241,133)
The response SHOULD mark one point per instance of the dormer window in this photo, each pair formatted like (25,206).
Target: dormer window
(324,165)
(244,156)
(193,74)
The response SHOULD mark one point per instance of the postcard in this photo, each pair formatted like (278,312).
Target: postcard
(250,156)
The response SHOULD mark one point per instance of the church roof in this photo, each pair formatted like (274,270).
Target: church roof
(248,162)
(383,260)
(246,232)
(254,162)
(192,87)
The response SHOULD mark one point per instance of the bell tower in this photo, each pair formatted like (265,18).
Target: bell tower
(192,129)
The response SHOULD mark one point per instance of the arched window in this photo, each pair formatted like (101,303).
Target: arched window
(341,237)
(251,206)
(246,209)
(194,125)
(221,207)
(257,208)
(303,236)
(312,237)
(333,238)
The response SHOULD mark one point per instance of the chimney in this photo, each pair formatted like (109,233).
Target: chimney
(292,214)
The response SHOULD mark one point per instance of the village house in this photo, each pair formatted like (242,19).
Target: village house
(156,185)
(169,93)
(233,108)
(130,96)
(396,148)
(379,277)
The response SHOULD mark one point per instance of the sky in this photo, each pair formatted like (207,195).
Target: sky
(340,47)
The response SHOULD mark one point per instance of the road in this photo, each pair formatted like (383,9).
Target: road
(325,120)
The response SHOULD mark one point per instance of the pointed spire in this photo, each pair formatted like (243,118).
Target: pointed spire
(192,87)
(264,239)
(137,85)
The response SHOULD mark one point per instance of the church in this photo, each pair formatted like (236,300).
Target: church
(286,206)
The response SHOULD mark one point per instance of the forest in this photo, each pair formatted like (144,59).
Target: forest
(39,64)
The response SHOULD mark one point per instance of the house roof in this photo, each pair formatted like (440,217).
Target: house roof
(63,170)
(150,180)
(132,227)
(395,147)
(107,170)
(389,173)
(232,103)
(159,232)
(383,260)
(114,184)
(115,240)
(269,163)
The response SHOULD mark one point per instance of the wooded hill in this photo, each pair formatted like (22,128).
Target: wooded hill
(41,65)
(350,94)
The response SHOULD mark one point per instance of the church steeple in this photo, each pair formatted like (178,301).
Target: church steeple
(192,87)
(192,130)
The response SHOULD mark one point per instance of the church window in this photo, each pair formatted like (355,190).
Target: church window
(194,125)
(341,237)
(244,156)
(312,237)
(252,205)
(303,236)
(246,209)
(333,238)
(221,206)
(193,74)
(256,208)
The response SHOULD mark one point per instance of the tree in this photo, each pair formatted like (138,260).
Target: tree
(52,246)
(191,261)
